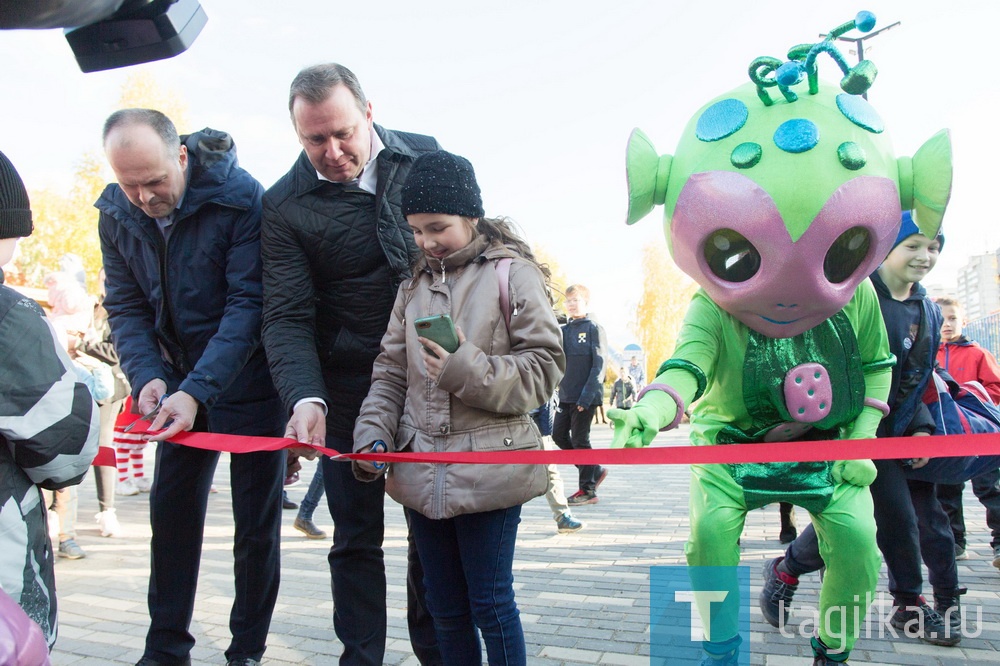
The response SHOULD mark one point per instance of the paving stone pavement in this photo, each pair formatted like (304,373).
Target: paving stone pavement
(584,597)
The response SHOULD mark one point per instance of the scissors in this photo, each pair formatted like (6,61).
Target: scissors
(148,416)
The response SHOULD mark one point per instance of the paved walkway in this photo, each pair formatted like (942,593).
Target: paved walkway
(584,597)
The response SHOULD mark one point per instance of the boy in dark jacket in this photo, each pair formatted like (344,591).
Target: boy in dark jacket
(966,361)
(581,389)
(913,324)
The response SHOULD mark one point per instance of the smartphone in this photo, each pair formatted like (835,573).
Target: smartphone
(440,329)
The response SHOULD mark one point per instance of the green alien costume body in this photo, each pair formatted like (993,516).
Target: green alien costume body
(743,401)
(780,204)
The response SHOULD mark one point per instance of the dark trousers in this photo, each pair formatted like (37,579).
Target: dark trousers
(571,430)
(987,489)
(468,568)
(357,569)
(911,523)
(177,504)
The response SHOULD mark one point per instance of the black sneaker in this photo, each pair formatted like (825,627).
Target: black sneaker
(582,497)
(996,556)
(776,594)
(949,607)
(925,623)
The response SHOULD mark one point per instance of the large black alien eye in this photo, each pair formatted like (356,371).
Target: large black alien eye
(846,254)
(731,256)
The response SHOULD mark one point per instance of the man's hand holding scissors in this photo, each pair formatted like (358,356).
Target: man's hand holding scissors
(177,409)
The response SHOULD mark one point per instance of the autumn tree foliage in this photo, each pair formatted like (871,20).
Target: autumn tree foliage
(666,293)
(66,221)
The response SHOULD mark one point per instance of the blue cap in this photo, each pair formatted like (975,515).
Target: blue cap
(907,227)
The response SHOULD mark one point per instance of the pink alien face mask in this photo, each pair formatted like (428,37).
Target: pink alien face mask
(728,235)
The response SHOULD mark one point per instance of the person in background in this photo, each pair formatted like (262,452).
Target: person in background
(555,493)
(966,361)
(623,391)
(49,425)
(96,345)
(304,519)
(581,390)
(637,371)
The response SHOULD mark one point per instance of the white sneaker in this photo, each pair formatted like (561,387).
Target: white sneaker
(126,488)
(108,521)
(143,484)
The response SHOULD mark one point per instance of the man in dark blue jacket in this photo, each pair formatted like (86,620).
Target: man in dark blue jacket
(180,234)
(336,248)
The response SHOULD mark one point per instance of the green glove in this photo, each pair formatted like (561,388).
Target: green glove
(638,426)
(855,472)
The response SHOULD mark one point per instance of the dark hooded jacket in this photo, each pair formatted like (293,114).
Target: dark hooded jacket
(334,257)
(914,330)
(188,309)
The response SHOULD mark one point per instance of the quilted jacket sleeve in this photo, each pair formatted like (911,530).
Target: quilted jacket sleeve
(289,312)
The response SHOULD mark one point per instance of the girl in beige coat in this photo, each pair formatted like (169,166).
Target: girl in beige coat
(464,518)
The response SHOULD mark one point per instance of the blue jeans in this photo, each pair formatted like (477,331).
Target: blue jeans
(468,571)
(313,495)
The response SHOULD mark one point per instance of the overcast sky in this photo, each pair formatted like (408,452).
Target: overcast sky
(541,96)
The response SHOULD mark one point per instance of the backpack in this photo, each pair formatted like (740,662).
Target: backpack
(958,409)
(961,408)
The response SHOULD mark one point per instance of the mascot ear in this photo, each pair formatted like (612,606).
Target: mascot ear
(647,175)
(925,183)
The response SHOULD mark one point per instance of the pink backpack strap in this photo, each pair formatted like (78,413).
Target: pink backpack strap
(503,279)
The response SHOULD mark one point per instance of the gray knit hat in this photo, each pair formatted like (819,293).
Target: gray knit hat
(15,211)
(441,182)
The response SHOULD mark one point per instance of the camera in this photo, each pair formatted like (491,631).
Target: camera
(140,31)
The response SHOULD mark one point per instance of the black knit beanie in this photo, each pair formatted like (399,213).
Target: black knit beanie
(15,211)
(440,182)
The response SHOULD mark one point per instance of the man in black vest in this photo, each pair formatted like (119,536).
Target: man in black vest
(336,248)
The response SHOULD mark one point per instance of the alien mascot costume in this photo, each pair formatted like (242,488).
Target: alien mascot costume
(780,206)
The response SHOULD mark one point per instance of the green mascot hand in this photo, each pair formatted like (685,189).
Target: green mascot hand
(855,472)
(638,426)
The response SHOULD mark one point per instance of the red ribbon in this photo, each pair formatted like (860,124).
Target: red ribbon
(812,451)
(105,457)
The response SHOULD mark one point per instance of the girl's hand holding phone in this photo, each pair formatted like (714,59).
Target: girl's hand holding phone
(435,359)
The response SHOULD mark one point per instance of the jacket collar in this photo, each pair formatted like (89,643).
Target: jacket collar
(455,260)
